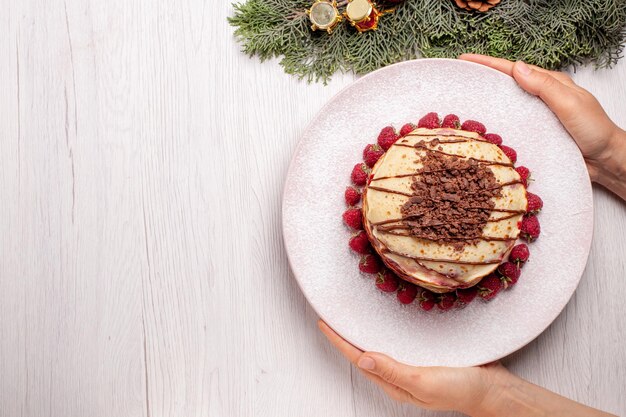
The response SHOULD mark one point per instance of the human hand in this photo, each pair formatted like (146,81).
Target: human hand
(436,388)
(488,390)
(602,142)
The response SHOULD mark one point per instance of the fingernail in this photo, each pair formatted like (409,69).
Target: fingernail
(522,68)
(366,363)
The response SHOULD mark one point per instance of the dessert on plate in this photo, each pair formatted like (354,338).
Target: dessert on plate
(438,209)
(443,208)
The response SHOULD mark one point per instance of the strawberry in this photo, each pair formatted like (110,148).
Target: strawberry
(387,281)
(406,292)
(530,228)
(359,174)
(510,274)
(406,129)
(509,152)
(360,243)
(519,254)
(535,203)
(352,195)
(446,301)
(371,154)
(369,264)
(430,121)
(451,121)
(466,295)
(524,173)
(489,287)
(493,138)
(474,126)
(353,218)
(426,300)
(387,137)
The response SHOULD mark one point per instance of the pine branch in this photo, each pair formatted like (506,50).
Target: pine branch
(551,34)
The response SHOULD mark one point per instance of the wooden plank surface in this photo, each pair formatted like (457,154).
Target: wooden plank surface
(142,159)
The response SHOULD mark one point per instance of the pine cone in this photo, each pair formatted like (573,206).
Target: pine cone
(481,6)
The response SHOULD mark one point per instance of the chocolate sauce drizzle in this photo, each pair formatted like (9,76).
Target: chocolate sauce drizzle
(387,190)
(480,139)
(402,219)
(427,149)
(460,238)
(451,261)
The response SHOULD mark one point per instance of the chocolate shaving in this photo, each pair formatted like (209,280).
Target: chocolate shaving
(451,199)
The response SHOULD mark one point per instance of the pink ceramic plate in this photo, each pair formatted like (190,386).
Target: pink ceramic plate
(316,239)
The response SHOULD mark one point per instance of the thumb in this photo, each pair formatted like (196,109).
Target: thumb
(389,370)
(554,93)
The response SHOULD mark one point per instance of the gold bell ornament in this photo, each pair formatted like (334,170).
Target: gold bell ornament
(363,15)
(324,15)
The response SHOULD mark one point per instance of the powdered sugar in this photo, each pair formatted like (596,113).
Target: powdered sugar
(316,238)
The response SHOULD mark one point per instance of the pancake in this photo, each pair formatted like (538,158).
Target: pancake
(443,208)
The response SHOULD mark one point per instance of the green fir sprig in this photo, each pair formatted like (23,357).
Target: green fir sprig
(549,33)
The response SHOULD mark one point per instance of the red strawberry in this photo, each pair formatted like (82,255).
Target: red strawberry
(430,121)
(474,126)
(359,174)
(371,154)
(510,274)
(530,228)
(407,292)
(489,287)
(519,254)
(387,281)
(353,218)
(426,300)
(446,301)
(451,121)
(493,138)
(466,295)
(535,203)
(406,129)
(360,243)
(524,173)
(369,264)
(509,152)
(387,137)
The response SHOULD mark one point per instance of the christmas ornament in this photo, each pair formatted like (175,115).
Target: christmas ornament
(324,15)
(362,14)
(481,6)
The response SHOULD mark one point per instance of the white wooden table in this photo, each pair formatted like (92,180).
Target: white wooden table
(142,270)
